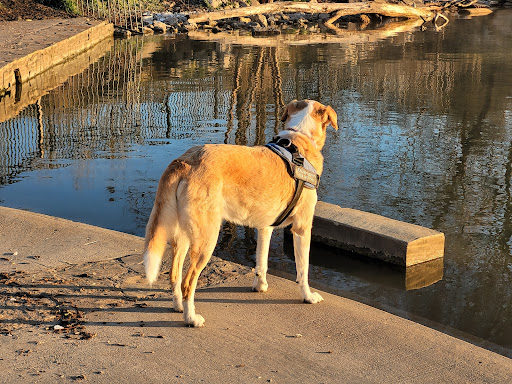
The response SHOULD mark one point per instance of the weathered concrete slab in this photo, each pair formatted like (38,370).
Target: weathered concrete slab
(31,242)
(376,236)
(248,338)
(33,89)
(30,48)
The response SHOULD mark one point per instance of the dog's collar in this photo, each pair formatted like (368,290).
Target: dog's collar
(292,129)
(298,167)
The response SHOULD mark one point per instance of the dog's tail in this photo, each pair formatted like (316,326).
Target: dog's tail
(163,221)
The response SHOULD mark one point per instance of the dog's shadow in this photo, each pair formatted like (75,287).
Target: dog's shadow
(245,295)
(123,307)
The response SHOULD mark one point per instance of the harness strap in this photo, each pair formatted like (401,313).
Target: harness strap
(299,186)
(295,163)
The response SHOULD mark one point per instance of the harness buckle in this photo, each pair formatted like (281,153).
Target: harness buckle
(297,159)
(282,142)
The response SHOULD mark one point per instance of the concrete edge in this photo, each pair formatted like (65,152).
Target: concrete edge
(19,71)
(376,236)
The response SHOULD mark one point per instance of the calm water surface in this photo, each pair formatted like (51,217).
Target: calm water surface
(426,138)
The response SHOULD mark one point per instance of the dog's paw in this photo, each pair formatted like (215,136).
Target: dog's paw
(259,286)
(313,298)
(177,305)
(196,321)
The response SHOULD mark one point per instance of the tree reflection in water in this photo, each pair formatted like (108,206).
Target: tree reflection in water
(426,137)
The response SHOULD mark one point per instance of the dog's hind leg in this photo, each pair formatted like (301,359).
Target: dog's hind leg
(301,244)
(180,247)
(199,257)
(260,279)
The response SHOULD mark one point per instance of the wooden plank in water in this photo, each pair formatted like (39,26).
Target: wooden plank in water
(376,236)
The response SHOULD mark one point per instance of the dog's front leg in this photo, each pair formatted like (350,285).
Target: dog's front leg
(260,280)
(301,244)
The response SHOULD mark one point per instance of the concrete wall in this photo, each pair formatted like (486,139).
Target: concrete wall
(41,60)
(376,236)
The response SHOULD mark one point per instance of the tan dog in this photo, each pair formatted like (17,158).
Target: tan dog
(244,185)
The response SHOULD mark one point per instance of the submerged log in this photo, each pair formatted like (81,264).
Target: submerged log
(342,9)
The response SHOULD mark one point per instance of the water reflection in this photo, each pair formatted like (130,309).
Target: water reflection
(370,270)
(426,138)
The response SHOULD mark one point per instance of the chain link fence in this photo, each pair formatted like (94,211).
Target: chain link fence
(125,14)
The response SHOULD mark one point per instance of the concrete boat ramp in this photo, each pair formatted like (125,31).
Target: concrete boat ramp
(75,307)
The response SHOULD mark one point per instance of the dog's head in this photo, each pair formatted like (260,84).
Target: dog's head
(310,118)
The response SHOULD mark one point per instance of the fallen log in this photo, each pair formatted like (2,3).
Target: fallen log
(342,36)
(343,9)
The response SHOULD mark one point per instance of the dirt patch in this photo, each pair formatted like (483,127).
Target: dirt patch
(11,10)
(58,300)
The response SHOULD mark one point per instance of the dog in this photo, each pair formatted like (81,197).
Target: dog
(248,186)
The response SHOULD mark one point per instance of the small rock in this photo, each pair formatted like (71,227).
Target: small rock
(264,32)
(118,32)
(147,20)
(260,19)
(147,31)
(190,26)
(213,3)
(159,27)
(58,327)
(324,17)
(169,18)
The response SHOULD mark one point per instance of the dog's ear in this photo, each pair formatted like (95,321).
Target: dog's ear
(284,116)
(332,117)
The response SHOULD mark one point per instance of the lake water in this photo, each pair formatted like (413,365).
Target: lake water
(425,137)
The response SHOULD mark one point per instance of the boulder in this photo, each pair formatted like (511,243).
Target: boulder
(147,31)
(213,3)
(190,26)
(147,19)
(123,33)
(169,18)
(159,27)
(260,19)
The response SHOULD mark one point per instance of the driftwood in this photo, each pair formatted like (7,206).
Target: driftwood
(342,9)
(342,36)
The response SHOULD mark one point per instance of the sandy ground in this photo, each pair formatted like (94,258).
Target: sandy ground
(57,272)
(58,299)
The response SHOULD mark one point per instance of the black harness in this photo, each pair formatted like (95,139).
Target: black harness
(298,167)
